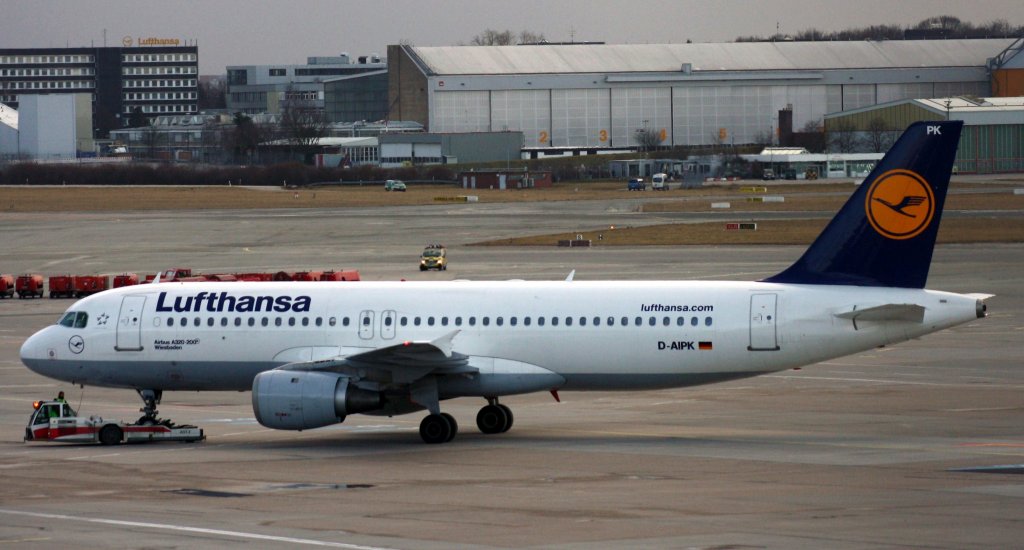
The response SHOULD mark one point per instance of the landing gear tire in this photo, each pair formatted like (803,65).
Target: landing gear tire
(508,414)
(453,424)
(111,435)
(492,419)
(438,428)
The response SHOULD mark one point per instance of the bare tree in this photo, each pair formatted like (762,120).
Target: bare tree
(842,137)
(212,94)
(648,139)
(491,37)
(878,136)
(302,122)
(530,37)
(245,138)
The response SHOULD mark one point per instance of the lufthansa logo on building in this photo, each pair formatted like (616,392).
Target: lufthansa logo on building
(127,41)
(900,204)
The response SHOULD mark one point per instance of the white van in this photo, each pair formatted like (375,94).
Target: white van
(659,182)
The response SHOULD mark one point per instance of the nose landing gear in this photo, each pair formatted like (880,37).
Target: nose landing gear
(150,399)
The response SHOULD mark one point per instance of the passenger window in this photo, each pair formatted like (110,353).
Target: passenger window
(277,321)
(265,321)
(416,321)
(458,321)
(291,321)
(526,321)
(665,321)
(638,321)
(305,321)
(209,321)
(252,321)
(540,321)
(170,321)
(366,321)
(693,321)
(387,321)
(319,321)
(430,320)
(68,320)
(344,321)
(238,321)
(197,321)
(223,321)
(487,321)
(624,321)
(82,319)
(499,321)
(472,321)
(680,321)
(583,321)
(554,321)
(444,321)
(512,321)
(568,321)
(332,321)
(707,321)
(651,321)
(404,321)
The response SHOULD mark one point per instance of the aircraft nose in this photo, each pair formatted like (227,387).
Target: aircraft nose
(35,351)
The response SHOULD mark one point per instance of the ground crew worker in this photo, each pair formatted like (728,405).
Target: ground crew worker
(60,398)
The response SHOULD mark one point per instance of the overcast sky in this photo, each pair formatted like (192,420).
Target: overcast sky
(244,32)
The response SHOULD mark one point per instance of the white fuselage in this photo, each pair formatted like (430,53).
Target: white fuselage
(595,335)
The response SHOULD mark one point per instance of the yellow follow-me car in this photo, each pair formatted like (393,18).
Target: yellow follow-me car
(434,257)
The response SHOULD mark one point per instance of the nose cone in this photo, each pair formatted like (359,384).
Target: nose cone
(35,352)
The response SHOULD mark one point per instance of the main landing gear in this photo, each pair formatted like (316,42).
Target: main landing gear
(493,418)
(150,399)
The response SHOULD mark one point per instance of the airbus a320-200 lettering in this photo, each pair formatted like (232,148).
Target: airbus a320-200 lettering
(314,353)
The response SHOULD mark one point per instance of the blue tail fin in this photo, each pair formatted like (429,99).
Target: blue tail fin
(885,233)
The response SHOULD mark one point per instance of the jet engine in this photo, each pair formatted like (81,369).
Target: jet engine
(300,400)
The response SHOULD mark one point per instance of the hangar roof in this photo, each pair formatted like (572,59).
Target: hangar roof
(730,56)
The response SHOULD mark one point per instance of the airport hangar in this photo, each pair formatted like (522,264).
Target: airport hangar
(591,97)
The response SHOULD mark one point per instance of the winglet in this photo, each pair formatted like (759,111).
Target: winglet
(571,275)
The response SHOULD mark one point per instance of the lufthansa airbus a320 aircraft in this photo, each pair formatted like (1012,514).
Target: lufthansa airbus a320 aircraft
(313,353)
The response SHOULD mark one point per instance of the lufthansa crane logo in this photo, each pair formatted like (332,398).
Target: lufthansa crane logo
(900,204)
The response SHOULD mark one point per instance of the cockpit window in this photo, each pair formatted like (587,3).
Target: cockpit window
(74,319)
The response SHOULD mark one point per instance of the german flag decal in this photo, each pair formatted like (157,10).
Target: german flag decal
(704,345)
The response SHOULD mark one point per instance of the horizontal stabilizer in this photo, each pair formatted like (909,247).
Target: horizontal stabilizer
(889,312)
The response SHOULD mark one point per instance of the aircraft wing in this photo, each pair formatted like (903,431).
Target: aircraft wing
(401,363)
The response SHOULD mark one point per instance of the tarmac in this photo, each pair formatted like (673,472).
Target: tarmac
(869,451)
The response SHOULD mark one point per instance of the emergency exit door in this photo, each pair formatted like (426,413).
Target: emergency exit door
(763,333)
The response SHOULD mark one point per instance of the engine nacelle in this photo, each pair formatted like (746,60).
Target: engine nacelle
(300,400)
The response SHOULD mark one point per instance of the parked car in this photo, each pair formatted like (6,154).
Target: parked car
(637,184)
(394,185)
(659,182)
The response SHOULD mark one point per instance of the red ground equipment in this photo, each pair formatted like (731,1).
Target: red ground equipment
(342,275)
(6,286)
(62,286)
(29,286)
(125,279)
(90,284)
